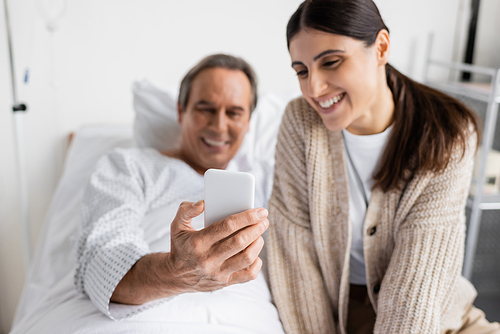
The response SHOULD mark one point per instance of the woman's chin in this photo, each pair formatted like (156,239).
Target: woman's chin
(334,122)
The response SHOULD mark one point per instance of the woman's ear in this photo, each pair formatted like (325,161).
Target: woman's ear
(383,46)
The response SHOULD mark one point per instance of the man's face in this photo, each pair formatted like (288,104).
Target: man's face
(216,118)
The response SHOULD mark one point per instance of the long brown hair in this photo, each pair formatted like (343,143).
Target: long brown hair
(428,125)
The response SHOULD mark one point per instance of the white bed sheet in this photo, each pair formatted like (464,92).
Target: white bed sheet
(50,303)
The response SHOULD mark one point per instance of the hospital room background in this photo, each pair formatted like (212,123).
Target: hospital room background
(76,61)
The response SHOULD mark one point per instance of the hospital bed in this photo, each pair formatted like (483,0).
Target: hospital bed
(50,302)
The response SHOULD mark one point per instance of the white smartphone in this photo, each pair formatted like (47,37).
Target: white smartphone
(227,193)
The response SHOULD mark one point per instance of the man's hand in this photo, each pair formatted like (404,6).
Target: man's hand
(222,254)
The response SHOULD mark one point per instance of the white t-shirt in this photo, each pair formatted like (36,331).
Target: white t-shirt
(365,152)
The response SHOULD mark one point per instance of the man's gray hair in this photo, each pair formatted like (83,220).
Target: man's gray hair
(218,61)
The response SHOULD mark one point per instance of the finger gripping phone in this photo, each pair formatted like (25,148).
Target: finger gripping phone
(227,193)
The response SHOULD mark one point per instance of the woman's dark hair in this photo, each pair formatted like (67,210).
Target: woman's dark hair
(428,124)
(218,61)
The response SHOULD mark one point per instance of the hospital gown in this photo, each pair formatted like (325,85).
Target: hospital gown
(127,208)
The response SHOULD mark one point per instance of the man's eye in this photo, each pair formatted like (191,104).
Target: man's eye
(233,113)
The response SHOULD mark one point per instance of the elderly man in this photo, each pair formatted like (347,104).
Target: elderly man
(127,254)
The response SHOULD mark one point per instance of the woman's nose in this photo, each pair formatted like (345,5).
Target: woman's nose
(317,84)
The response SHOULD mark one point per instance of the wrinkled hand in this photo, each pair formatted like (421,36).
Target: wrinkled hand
(222,254)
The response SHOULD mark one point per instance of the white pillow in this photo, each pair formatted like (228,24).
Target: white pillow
(156,121)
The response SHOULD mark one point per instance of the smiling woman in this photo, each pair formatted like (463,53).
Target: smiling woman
(372,172)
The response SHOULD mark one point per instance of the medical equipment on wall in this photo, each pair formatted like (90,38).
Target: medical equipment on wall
(51,11)
(18,110)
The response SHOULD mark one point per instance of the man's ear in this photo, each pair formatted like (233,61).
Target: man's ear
(383,47)
(180,113)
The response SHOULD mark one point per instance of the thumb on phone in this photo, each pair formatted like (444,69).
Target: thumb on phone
(185,214)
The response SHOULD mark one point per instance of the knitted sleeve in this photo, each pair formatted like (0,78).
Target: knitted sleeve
(299,294)
(427,260)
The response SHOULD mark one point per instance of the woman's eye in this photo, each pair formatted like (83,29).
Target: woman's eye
(330,63)
(302,73)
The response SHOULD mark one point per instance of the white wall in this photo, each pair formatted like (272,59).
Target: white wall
(82,73)
(410,23)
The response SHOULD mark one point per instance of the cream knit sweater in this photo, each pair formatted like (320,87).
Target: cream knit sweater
(413,243)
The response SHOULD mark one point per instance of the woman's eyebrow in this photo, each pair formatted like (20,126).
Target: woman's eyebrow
(322,54)
(326,52)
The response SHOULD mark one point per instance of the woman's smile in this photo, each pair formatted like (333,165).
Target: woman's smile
(331,104)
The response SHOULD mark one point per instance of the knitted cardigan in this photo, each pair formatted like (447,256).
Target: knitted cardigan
(413,238)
